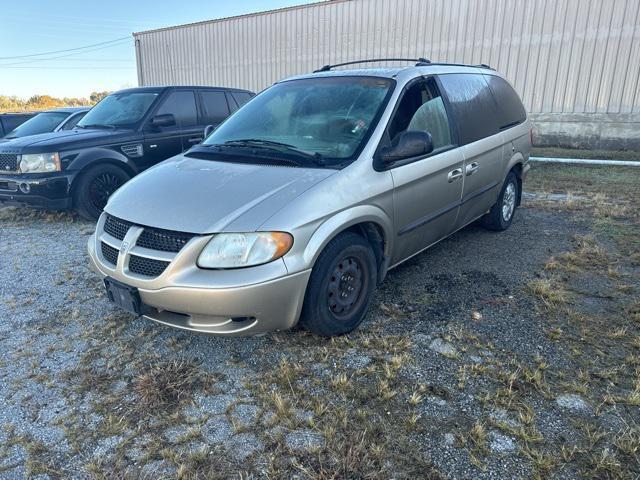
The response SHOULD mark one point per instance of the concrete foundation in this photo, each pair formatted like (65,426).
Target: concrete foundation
(589,131)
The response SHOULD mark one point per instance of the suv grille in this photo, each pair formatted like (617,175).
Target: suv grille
(8,162)
(116,228)
(109,253)
(163,240)
(148,267)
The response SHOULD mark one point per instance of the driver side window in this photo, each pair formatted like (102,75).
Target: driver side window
(422,109)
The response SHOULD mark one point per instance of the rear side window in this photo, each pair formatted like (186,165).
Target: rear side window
(472,105)
(241,97)
(182,105)
(511,112)
(215,106)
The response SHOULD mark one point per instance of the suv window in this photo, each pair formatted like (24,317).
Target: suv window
(71,123)
(241,97)
(215,106)
(422,108)
(472,105)
(511,112)
(182,105)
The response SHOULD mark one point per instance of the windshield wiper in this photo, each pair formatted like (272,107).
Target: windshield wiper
(273,145)
(97,125)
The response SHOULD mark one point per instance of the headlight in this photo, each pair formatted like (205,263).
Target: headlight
(40,163)
(236,250)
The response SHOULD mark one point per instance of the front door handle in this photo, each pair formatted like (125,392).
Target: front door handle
(472,167)
(454,175)
(195,140)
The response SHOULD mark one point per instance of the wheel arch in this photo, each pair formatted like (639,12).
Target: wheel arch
(370,222)
(516,165)
(97,156)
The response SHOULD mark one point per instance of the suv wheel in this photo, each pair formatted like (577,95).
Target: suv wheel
(501,214)
(340,287)
(94,188)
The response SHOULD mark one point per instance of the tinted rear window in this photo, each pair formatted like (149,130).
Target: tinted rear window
(472,105)
(215,106)
(511,112)
(241,97)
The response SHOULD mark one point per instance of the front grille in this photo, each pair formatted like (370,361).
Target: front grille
(163,240)
(116,228)
(148,267)
(8,162)
(110,254)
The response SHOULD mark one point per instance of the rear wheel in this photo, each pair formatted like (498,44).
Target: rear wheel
(501,214)
(340,287)
(94,188)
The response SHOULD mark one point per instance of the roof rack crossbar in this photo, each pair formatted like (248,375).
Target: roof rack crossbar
(418,61)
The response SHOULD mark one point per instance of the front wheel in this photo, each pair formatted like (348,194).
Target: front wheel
(340,287)
(501,214)
(94,188)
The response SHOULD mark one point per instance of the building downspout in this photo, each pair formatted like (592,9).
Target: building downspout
(138,61)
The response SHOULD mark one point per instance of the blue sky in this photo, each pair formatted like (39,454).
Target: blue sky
(35,26)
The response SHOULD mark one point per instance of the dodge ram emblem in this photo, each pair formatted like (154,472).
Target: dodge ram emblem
(124,247)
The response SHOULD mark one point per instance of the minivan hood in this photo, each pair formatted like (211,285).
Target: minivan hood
(204,196)
(63,140)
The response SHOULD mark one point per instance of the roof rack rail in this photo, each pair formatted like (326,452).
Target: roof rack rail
(420,62)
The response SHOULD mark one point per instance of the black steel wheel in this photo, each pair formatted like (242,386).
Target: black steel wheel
(346,287)
(340,287)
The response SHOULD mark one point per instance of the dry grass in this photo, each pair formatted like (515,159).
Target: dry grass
(167,384)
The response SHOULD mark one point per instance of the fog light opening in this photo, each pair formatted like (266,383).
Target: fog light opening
(243,319)
(24,187)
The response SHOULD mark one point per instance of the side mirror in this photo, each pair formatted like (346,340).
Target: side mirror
(208,130)
(411,143)
(164,120)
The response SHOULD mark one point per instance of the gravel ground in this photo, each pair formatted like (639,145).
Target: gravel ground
(475,362)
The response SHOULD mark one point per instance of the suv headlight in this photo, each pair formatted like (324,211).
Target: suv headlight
(40,163)
(237,250)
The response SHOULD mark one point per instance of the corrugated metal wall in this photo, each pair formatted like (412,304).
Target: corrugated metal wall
(564,56)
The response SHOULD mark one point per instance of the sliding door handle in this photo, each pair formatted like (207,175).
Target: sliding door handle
(454,175)
(472,167)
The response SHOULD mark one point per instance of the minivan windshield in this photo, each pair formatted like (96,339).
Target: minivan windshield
(325,118)
(119,110)
(42,123)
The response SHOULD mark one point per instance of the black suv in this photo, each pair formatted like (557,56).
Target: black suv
(9,121)
(127,132)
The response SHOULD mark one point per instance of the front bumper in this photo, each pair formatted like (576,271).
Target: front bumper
(239,302)
(52,191)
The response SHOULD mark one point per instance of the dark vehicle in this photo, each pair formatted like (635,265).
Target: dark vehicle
(49,121)
(9,121)
(127,132)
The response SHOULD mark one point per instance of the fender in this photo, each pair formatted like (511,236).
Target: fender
(516,158)
(341,221)
(91,156)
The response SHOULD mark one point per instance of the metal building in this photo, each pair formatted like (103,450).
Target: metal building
(575,63)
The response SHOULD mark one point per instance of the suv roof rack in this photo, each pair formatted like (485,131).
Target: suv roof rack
(420,62)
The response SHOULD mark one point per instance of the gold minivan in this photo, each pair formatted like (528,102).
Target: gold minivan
(295,208)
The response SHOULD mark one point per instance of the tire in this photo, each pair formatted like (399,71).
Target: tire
(94,188)
(334,305)
(501,214)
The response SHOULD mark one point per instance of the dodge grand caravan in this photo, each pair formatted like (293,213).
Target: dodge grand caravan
(127,132)
(295,208)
